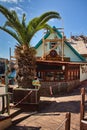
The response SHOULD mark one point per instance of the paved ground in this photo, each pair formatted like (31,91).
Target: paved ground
(51,114)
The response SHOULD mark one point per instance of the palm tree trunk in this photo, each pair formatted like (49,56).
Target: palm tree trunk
(26,61)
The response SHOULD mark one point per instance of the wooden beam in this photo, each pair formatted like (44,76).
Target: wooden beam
(12,56)
(13,60)
(54,40)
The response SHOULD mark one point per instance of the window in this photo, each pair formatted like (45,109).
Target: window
(53,72)
(52,44)
(60,76)
(49,76)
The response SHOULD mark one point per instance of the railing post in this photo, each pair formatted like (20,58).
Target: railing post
(67,123)
(7,104)
(3,104)
(82,106)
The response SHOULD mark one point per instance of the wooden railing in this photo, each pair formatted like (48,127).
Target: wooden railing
(65,122)
(4,103)
(83,119)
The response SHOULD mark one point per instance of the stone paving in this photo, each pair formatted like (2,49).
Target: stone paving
(51,114)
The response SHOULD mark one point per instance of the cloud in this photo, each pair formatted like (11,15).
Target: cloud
(10,1)
(52,20)
(17,9)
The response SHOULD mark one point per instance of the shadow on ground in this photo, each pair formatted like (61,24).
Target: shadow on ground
(15,122)
(23,128)
(53,106)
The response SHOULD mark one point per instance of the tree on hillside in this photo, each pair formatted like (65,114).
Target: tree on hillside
(23,33)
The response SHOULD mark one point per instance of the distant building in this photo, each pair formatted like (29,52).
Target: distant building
(2,70)
(79,43)
(2,65)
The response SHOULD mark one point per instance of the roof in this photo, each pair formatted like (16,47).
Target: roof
(40,42)
(67,43)
(79,44)
(60,62)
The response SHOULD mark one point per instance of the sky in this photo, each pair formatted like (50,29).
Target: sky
(73,13)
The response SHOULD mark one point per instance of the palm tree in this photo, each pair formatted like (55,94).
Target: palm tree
(23,33)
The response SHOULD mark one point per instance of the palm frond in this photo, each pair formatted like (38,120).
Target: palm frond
(15,16)
(47,16)
(24,33)
(6,13)
(13,20)
(23,20)
(11,33)
(38,23)
(45,26)
(43,19)
(8,24)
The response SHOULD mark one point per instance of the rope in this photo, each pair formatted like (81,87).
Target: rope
(22,99)
(61,124)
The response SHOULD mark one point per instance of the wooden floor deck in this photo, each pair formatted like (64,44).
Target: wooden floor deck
(51,114)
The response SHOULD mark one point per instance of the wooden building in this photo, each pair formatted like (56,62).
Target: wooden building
(60,67)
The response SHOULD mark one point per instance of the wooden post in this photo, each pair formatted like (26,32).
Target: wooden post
(67,123)
(62,40)
(6,76)
(43,47)
(3,104)
(10,53)
(82,106)
(62,47)
(7,104)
